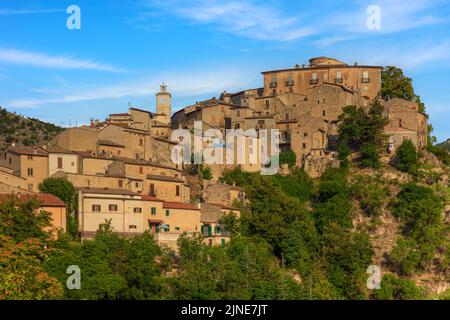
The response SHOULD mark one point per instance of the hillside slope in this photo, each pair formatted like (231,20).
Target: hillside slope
(445,145)
(24,131)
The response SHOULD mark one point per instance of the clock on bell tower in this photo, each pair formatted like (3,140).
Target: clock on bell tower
(163,98)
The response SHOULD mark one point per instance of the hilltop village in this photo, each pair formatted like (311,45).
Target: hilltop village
(122,166)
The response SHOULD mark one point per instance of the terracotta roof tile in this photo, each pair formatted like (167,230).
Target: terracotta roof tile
(179,205)
(45,199)
(29,151)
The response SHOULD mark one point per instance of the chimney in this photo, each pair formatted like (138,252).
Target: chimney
(92,122)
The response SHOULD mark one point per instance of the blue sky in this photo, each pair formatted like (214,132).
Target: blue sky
(200,48)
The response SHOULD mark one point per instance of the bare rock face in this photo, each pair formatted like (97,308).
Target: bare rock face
(429,158)
(315,166)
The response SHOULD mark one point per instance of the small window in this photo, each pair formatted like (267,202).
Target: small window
(323,113)
(141,142)
(120,183)
(238,113)
(136,184)
(141,170)
(96,208)
(153,210)
(72,164)
(132,226)
(112,207)
(167,228)
(30,157)
(137,210)
(60,163)
(177,191)
(167,212)
(305,134)
(304,145)
(30,172)
(177,228)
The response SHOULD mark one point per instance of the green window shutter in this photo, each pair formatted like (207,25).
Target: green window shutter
(222,242)
(167,212)
(153,210)
(201,229)
(217,230)
(209,231)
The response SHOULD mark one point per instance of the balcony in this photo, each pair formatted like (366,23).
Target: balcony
(365,80)
(338,80)
(313,81)
(289,83)
(273,84)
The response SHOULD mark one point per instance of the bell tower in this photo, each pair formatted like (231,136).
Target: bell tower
(163,98)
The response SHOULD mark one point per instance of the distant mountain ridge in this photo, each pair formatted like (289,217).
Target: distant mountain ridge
(25,131)
(445,145)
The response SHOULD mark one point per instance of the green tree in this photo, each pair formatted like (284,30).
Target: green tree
(21,274)
(206,173)
(369,157)
(23,220)
(393,288)
(64,190)
(288,157)
(394,84)
(406,157)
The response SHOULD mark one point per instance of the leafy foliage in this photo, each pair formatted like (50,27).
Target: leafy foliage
(394,84)
(64,190)
(395,288)
(358,127)
(406,157)
(369,157)
(23,220)
(288,157)
(420,209)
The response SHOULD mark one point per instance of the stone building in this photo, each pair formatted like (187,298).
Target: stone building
(46,202)
(304,104)
(131,213)
(28,163)
(211,229)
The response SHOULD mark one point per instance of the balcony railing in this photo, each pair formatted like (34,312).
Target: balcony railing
(314,81)
(289,83)
(338,80)
(273,84)
(365,80)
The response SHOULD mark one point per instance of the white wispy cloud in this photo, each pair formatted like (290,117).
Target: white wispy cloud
(43,60)
(181,84)
(10,12)
(243,18)
(411,57)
